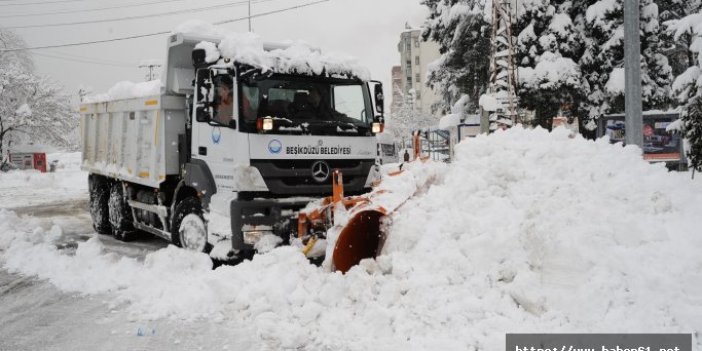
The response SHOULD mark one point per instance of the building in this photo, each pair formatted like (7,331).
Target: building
(396,90)
(416,55)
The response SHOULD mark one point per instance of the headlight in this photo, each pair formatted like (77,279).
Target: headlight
(253,234)
(264,124)
(377,127)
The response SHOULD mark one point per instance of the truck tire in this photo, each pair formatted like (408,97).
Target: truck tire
(99,197)
(120,214)
(188,229)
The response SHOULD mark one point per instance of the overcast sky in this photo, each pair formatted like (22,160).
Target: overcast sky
(367,29)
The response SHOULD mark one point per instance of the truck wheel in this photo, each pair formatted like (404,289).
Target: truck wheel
(120,214)
(99,197)
(188,229)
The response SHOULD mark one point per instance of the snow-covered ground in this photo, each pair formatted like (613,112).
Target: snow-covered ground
(23,189)
(527,231)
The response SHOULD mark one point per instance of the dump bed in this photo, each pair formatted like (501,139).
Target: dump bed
(135,140)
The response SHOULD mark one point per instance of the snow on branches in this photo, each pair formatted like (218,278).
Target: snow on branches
(32,108)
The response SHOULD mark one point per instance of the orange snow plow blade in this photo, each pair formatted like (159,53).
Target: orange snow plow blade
(360,239)
(356,219)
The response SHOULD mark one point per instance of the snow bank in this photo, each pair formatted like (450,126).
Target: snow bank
(127,90)
(527,231)
(29,188)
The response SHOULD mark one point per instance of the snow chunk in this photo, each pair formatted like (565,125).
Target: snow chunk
(127,90)
(597,12)
(24,111)
(211,52)
(551,72)
(450,120)
(616,83)
(489,103)
(560,23)
(198,28)
(684,82)
(677,126)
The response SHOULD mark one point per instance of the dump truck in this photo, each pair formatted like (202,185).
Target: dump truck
(236,140)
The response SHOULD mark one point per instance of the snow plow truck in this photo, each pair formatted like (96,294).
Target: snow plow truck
(239,138)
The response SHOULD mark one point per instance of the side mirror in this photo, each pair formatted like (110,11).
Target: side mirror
(203,82)
(203,114)
(379,98)
(199,56)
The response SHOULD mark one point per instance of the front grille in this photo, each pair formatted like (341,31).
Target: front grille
(294,177)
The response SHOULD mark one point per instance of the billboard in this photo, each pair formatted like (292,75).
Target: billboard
(659,145)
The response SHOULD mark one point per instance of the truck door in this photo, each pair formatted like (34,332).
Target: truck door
(215,136)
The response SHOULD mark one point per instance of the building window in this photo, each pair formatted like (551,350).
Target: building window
(418,95)
(416,60)
(418,78)
(416,43)
(408,45)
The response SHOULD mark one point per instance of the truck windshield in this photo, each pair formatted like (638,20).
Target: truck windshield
(306,105)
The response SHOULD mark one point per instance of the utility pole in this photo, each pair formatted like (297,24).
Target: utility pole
(503,72)
(632,67)
(250,30)
(151,66)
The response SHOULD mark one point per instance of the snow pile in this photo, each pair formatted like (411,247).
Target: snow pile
(527,231)
(127,90)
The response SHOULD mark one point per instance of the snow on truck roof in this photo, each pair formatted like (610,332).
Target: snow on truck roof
(288,57)
(224,48)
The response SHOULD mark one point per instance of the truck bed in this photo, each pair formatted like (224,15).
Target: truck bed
(134,140)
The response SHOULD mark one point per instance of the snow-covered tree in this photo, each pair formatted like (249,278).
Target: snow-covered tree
(463,32)
(693,132)
(602,61)
(407,117)
(676,45)
(548,48)
(32,108)
(687,88)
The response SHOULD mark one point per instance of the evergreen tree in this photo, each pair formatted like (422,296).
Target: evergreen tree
(602,60)
(687,87)
(548,47)
(462,31)
(676,45)
(693,133)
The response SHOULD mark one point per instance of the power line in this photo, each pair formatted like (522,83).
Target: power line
(86,58)
(85,61)
(270,12)
(89,10)
(162,32)
(200,9)
(40,2)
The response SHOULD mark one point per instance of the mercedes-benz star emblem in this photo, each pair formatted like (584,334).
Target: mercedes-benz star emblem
(320,171)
